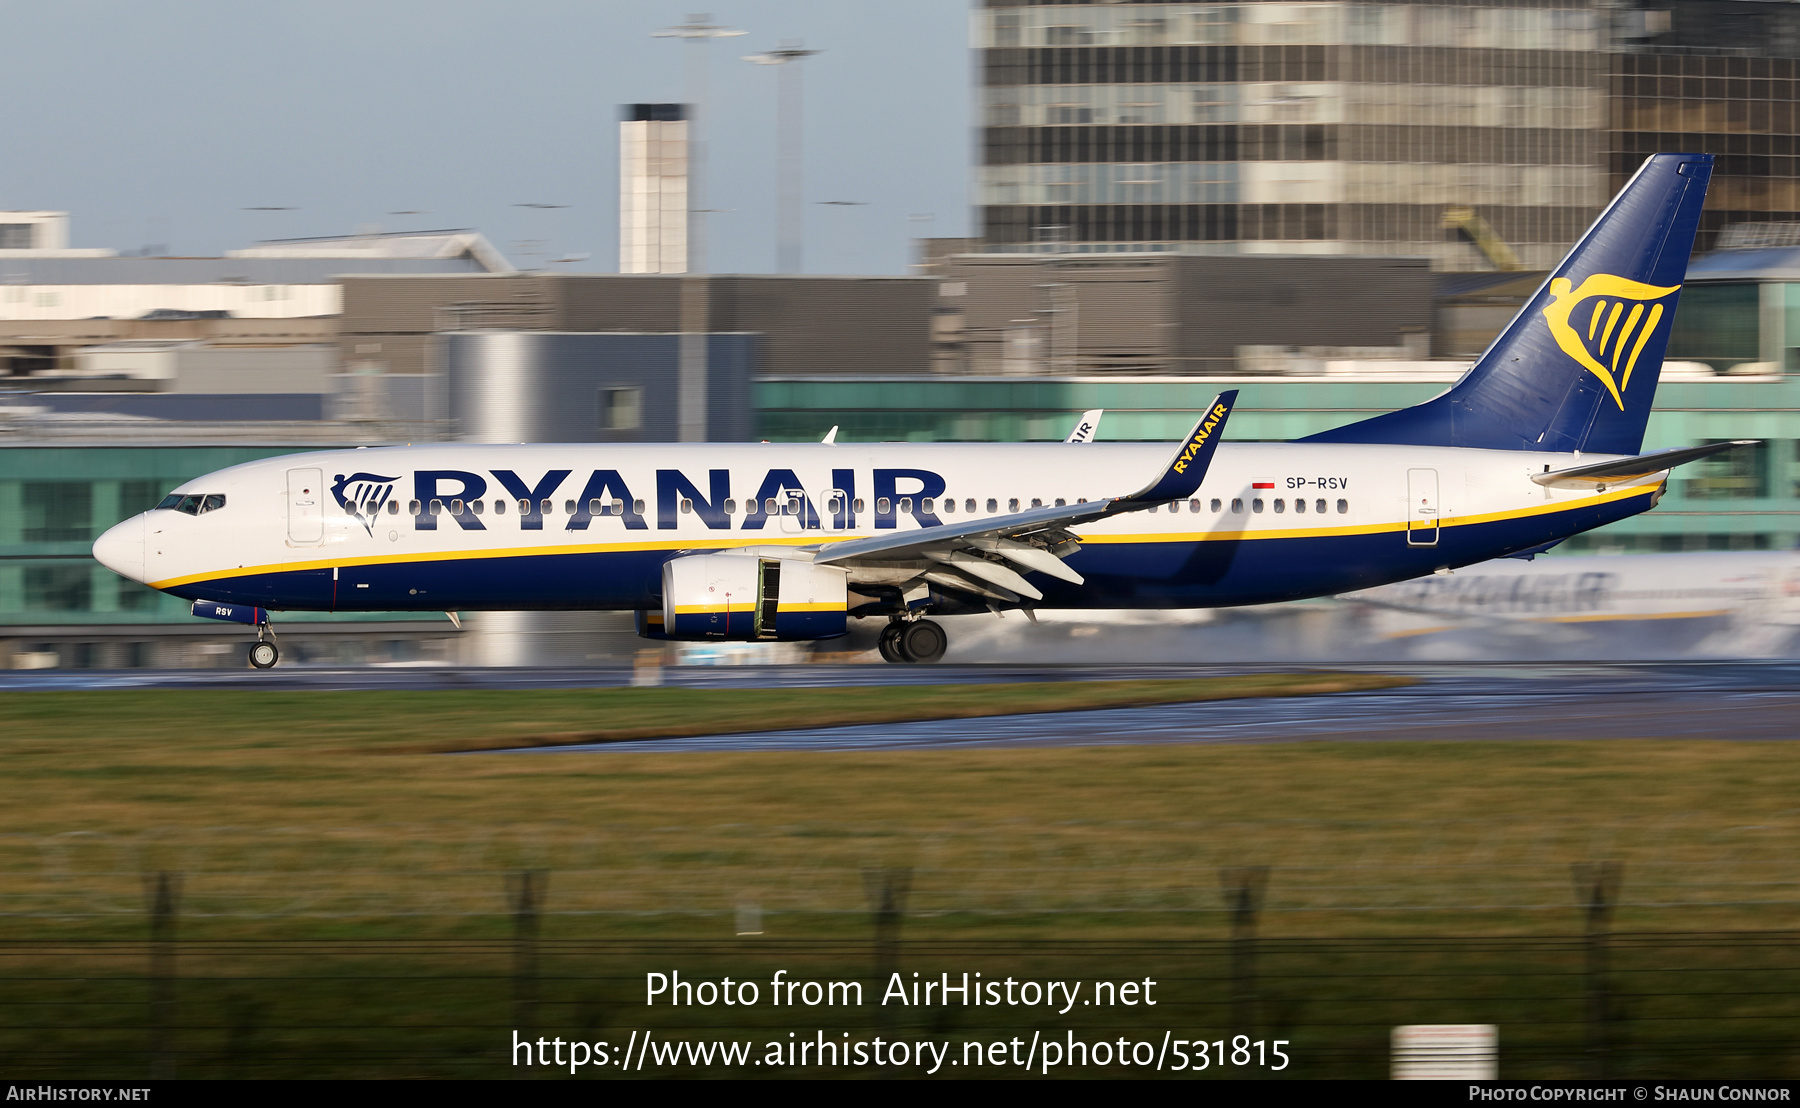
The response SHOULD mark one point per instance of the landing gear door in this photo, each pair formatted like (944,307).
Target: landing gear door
(768,597)
(1422,507)
(306,511)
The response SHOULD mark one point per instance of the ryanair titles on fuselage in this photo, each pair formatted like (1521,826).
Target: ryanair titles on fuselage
(606,492)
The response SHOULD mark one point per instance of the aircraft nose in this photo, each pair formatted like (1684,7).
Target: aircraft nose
(121,548)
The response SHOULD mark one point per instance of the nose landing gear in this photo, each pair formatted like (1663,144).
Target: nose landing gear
(263,652)
(918,640)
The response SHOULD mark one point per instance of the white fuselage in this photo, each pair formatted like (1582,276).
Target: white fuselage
(440,527)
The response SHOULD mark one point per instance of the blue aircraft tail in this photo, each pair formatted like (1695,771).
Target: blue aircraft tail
(1577,368)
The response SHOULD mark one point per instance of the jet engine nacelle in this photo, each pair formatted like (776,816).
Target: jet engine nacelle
(745,598)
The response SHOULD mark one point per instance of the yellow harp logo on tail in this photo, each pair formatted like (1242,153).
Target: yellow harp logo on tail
(1606,337)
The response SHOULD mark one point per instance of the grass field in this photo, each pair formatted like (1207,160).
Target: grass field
(344,905)
(317,809)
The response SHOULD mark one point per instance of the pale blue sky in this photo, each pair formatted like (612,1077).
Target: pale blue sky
(160,122)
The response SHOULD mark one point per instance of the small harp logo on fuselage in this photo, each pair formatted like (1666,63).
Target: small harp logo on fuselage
(1608,337)
(363,495)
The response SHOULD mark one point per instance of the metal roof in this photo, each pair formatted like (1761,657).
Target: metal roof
(1767,263)
(325,270)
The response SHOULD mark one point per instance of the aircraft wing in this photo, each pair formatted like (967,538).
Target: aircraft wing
(984,556)
(1623,469)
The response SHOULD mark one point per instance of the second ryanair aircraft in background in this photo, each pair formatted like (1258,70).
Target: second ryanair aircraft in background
(1539,441)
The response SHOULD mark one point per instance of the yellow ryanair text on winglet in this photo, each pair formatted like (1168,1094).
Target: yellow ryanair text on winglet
(1200,437)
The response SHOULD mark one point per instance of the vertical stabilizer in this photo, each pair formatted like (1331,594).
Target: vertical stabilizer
(1577,368)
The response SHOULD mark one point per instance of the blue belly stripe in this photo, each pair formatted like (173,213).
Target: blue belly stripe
(1119,575)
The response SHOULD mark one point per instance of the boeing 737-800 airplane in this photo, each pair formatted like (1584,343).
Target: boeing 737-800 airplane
(1539,441)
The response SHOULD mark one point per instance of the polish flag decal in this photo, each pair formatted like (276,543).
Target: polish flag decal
(1263,485)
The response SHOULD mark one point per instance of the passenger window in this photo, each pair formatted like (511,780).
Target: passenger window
(1237,504)
(1215,504)
(1013,504)
(1319,507)
(1300,506)
(969,505)
(687,506)
(770,507)
(928,506)
(906,505)
(857,505)
(1061,503)
(1152,508)
(412,507)
(437,507)
(456,507)
(1343,507)
(949,505)
(524,507)
(993,505)
(731,507)
(544,507)
(883,506)
(480,507)
(596,507)
(1194,507)
(636,506)
(1256,505)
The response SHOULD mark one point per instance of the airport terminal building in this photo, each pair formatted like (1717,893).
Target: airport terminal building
(1371,128)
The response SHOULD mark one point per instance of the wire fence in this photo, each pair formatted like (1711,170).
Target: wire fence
(371,988)
(1319,868)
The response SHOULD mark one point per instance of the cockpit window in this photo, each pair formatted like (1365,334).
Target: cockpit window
(192,504)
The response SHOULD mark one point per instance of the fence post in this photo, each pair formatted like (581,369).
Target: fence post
(1597,886)
(886,890)
(164,896)
(1243,889)
(527,888)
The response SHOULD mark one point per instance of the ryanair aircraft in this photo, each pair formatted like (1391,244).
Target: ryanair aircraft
(1539,441)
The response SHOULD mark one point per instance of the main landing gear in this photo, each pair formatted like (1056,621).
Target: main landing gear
(263,652)
(918,640)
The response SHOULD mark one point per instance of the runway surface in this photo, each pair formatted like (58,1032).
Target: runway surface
(1464,701)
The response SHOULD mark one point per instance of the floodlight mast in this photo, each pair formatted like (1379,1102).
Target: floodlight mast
(788,149)
(697,32)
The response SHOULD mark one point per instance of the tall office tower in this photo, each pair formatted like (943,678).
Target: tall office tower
(1480,133)
(653,189)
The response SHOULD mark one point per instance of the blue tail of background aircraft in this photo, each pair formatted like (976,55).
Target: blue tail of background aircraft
(1577,368)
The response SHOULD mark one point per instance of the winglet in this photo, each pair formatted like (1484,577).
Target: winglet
(831,435)
(1087,426)
(1188,467)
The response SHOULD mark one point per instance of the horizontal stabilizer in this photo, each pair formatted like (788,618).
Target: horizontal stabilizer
(1624,469)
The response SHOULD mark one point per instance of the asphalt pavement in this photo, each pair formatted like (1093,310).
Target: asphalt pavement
(1459,701)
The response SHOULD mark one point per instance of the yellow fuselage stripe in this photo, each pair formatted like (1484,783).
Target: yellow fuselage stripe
(741,540)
